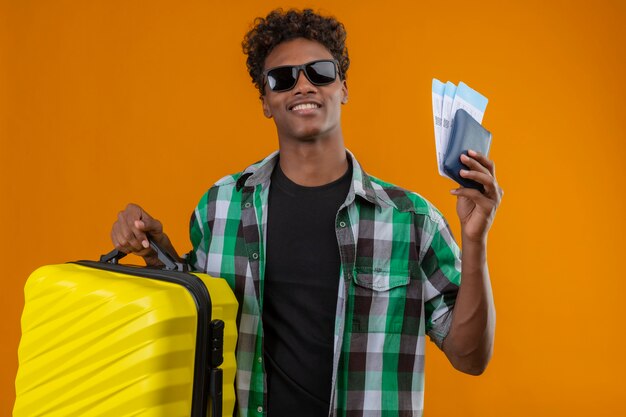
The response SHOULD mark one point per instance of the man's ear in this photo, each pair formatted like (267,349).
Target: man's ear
(266,108)
(344,90)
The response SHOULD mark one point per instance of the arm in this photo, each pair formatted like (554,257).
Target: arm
(469,343)
(129,234)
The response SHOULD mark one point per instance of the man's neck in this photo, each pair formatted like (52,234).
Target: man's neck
(313,163)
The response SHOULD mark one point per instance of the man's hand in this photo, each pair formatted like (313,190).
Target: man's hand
(477,210)
(130,234)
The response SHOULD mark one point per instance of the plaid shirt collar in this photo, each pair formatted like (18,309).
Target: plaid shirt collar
(260,172)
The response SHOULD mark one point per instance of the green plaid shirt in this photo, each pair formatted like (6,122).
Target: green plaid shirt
(400,273)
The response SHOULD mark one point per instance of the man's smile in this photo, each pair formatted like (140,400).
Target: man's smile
(306,106)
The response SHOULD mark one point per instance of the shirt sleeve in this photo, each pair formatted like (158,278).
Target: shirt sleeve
(199,236)
(441,264)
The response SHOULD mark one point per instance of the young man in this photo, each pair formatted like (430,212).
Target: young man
(339,275)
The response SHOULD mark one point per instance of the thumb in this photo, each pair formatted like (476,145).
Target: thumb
(149,226)
(471,194)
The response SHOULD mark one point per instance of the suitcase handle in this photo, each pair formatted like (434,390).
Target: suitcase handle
(170,264)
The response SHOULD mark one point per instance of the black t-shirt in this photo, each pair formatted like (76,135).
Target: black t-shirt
(300,294)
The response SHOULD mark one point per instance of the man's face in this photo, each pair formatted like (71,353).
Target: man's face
(298,123)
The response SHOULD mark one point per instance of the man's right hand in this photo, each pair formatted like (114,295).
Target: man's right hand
(129,234)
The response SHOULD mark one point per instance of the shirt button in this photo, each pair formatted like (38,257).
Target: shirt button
(259,409)
(260,359)
(247,205)
(342,224)
(255,255)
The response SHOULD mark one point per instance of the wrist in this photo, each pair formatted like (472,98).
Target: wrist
(470,239)
(474,252)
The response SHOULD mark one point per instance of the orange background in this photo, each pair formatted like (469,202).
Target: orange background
(108,102)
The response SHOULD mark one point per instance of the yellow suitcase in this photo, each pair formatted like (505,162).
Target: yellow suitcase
(104,339)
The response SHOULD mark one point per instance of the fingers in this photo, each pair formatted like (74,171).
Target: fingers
(483,160)
(129,232)
(492,189)
(125,236)
(149,225)
(482,170)
(480,177)
(152,227)
(473,164)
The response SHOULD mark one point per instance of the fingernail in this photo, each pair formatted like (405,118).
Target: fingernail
(138,224)
(453,191)
(464,157)
(145,244)
(464,172)
(471,152)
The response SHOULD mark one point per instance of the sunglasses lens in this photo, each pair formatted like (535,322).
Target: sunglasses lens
(321,72)
(280,79)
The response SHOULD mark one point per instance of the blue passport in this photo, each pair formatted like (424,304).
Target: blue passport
(466,134)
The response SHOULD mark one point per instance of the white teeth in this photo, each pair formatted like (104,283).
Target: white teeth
(305,106)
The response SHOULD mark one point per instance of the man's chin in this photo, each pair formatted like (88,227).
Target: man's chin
(307,135)
(308,132)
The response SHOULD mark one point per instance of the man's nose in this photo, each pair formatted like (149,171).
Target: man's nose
(303,85)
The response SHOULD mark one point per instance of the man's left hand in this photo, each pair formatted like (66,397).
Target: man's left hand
(477,210)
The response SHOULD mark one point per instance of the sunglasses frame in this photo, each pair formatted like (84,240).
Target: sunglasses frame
(302,68)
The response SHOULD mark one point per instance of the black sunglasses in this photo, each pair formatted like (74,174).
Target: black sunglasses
(285,77)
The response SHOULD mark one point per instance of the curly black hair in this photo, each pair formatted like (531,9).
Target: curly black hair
(279,26)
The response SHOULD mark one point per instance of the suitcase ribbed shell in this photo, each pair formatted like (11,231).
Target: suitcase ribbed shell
(103,343)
